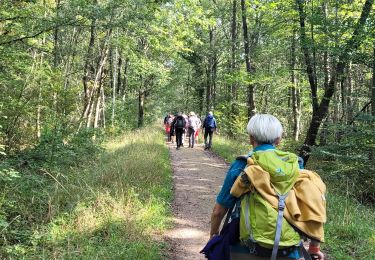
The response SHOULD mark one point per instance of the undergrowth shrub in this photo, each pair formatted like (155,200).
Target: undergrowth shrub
(348,159)
(86,201)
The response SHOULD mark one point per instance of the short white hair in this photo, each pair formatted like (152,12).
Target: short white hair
(264,128)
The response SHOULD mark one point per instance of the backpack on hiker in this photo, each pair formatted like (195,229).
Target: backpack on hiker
(279,202)
(209,122)
(180,122)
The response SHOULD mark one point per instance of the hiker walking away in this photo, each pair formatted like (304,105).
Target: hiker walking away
(260,196)
(193,126)
(172,133)
(199,127)
(178,125)
(186,128)
(209,125)
(168,119)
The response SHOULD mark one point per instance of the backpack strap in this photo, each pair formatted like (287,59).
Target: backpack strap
(242,157)
(279,224)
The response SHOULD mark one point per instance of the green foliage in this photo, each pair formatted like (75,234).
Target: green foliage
(110,204)
(349,158)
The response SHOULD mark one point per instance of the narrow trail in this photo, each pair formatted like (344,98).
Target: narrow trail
(197,176)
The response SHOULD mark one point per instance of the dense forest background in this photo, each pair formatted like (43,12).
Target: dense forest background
(75,72)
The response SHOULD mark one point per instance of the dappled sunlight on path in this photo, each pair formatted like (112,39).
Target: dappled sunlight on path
(198,177)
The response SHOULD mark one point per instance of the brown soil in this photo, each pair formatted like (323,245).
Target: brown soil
(198,176)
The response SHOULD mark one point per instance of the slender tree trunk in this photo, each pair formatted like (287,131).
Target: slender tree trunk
(349,95)
(233,64)
(103,109)
(86,70)
(70,58)
(209,73)
(99,73)
(98,105)
(56,37)
(125,80)
(306,52)
(119,66)
(114,87)
(89,113)
(39,106)
(313,46)
(325,54)
(341,99)
(141,101)
(214,76)
(234,48)
(373,85)
(294,90)
(250,87)
(208,87)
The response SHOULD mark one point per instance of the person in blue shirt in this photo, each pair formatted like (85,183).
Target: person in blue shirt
(209,125)
(265,132)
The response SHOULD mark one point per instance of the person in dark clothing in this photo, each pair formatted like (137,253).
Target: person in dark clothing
(209,126)
(179,124)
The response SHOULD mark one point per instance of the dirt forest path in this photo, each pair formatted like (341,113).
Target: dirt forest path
(197,176)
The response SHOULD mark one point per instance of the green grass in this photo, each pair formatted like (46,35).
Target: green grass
(350,229)
(228,148)
(112,206)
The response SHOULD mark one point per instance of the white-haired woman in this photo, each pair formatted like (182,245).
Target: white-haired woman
(265,133)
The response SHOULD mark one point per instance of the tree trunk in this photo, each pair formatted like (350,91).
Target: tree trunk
(214,76)
(98,105)
(233,49)
(294,91)
(86,70)
(341,99)
(250,87)
(208,87)
(233,64)
(210,77)
(349,93)
(125,80)
(373,85)
(56,37)
(119,66)
(141,101)
(306,52)
(325,54)
(103,109)
(99,73)
(114,87)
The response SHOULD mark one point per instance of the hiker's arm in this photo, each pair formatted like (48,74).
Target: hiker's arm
(217,216)
(314,249)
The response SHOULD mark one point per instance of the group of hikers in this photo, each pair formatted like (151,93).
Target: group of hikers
(178,126)
(268,202)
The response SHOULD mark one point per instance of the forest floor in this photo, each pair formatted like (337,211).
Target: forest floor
(197,178)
